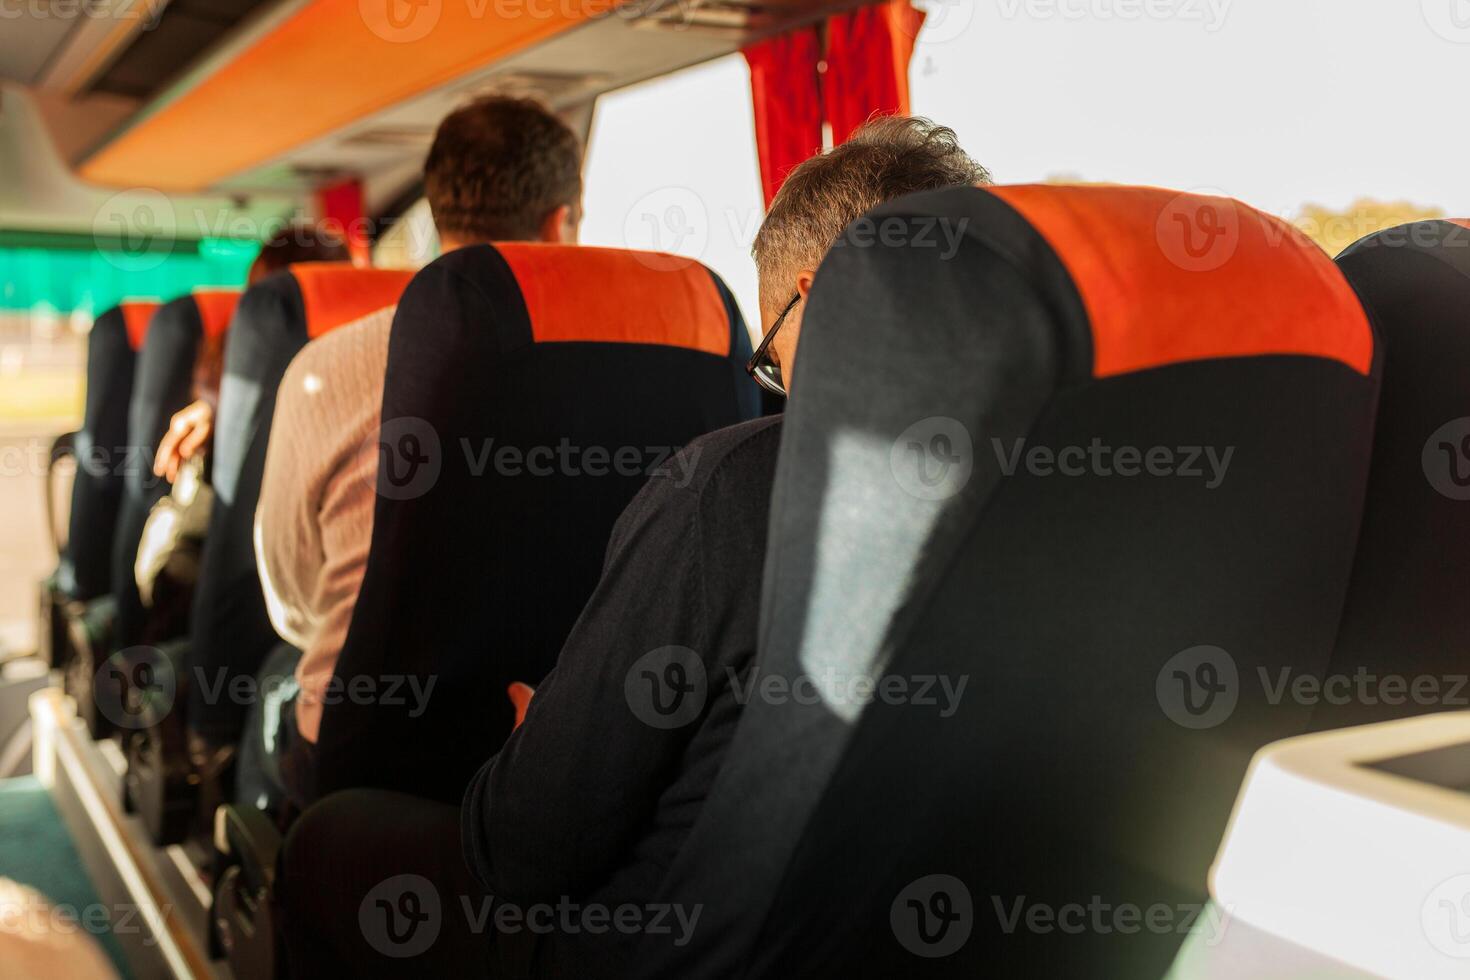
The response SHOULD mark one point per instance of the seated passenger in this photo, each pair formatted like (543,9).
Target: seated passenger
(189,430)
(592,797)
(500,169)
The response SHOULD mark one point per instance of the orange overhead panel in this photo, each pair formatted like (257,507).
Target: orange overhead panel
(329,64)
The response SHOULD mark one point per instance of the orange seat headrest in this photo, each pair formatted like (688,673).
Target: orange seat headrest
(584,293)
(1269,289)
(336,293)
(136,315)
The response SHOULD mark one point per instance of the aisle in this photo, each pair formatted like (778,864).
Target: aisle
(36,851)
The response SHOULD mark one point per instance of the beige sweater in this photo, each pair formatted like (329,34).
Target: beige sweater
(314,522)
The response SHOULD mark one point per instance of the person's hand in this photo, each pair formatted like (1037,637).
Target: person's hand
(188,433)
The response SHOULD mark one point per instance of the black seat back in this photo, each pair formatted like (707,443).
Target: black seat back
(162,384)
(102,449)
(1404,646)
(530,389)
(230,631)
(1034,613)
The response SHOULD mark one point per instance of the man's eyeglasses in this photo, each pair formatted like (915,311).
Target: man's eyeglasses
(763,367)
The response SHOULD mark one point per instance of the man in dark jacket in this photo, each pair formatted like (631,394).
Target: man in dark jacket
(572,826)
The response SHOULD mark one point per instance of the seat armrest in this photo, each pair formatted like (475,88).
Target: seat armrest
(245,836)
(65,445)
(243,915)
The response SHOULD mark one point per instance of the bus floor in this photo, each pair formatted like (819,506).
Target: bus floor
(37,851)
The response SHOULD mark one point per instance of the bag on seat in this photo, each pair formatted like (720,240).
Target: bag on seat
(173,534)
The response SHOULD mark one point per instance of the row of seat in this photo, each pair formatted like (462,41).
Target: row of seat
(77,605)
(1122,637)
(112,351)
(676,328)
(140,364)
(144,383)
(528,366)
(1125,644)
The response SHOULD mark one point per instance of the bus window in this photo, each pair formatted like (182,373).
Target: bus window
(1091,92)
(410,241)
(699,194)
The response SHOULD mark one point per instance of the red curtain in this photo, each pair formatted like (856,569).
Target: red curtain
(341,212)
(786,94)
(867,53)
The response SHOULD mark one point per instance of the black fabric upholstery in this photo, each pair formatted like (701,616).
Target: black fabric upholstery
(1059,775)
(356,860)
(102,458)
(474,580)
(163,384)
(230,631)
(1406,615)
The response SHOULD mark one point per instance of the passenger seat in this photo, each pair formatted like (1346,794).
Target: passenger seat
(162,384)
(1404,645)
(229,631)
(530,390)
(1036,613)
(100,448)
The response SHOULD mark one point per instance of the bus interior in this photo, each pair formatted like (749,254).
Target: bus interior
(1107,616)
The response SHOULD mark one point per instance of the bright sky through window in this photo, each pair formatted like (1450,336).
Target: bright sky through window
(1281,104)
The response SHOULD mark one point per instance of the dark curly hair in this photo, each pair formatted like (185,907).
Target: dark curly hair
(498,167)
(298,241)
